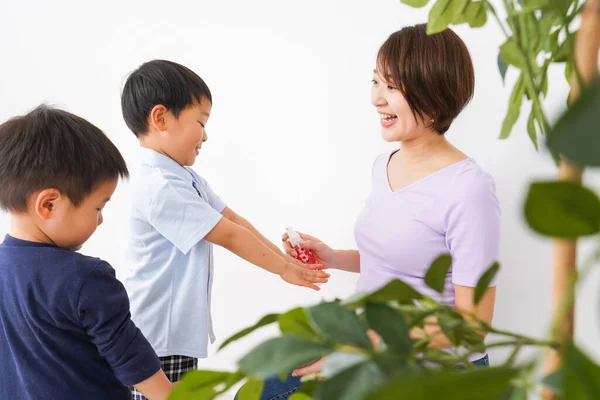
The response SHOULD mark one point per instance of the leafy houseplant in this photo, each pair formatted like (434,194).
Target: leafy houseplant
(538,34)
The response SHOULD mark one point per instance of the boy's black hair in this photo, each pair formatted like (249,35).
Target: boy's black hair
(52,148)
(160,82)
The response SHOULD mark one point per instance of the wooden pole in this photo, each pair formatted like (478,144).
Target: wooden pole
(565,251)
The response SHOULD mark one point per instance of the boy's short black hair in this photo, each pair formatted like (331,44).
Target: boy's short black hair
(160,82)
(52,148)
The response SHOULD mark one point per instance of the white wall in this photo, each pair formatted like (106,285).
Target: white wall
(292,135)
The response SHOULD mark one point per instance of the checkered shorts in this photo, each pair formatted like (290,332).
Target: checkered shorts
(174,367)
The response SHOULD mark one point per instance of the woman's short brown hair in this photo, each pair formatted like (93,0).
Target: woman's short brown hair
(433,72)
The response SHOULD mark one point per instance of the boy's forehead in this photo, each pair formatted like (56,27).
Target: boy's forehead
(105,189)
(203,107)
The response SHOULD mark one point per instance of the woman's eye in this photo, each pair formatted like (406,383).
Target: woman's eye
(373,81)
(391,87)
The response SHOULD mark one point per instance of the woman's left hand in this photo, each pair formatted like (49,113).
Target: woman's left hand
(314,368)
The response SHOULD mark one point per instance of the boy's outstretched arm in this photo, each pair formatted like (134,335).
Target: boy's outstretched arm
(242,242)
(238,219)
(157,387)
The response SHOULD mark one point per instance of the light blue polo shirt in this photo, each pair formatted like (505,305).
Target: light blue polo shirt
(170,266)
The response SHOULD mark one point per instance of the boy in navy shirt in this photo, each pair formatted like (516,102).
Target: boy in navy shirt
(66,328)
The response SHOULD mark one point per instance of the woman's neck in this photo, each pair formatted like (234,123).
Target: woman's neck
(425,147)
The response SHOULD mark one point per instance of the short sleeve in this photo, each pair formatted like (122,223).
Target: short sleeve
(103,309)
(473,229)
(212,198)
(179,214)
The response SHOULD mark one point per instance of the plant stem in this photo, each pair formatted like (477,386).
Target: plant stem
(536,343)
(574,62)
(495,14)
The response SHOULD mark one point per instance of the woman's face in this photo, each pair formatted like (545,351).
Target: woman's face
(398,123)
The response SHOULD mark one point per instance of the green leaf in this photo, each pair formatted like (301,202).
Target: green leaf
(502,67)
(558,5)
(452,324)
(519,393)
(251,390)
(282,355)
(532,34)
(476,14)
(300,396)
(444,13)
(340,361)
(544,86)
(352,384)
(390,324)
(266,320)
(484,282)
(435,277)
(474,384)
(202,384)
(568,71)
(555,382)
(415,3)
(295,322)
(566,49)
(531,129)
(575,135)
(514,107)
(308,388)
(562,209)
(551,43)
(511,54)
(581,375)
(339,324)
(395,290)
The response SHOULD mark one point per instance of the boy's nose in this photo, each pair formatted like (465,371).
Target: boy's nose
(205,138)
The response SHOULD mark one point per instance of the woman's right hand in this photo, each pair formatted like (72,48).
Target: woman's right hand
(325,255)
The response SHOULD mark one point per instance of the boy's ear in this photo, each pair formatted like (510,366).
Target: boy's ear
(158,117)
(46,202)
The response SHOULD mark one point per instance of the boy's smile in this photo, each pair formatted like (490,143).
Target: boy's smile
(179,138)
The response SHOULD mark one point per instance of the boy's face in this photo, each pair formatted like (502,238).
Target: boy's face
(68,226)
(186,133)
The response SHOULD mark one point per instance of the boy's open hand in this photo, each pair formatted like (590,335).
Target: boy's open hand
(306,275)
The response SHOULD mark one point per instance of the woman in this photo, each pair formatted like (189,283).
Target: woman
(427,198)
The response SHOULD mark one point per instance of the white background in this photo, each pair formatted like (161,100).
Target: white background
(292,134)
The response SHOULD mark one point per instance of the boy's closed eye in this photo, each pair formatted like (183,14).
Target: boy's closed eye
(103,205)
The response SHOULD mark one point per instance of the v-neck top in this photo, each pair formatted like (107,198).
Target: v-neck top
(451,211)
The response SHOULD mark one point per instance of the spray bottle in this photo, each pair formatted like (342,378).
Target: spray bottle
(304,255)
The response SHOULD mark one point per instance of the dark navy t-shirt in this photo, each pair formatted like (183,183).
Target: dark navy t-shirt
(66,331)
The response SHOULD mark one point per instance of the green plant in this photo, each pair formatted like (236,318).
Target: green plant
(538,33)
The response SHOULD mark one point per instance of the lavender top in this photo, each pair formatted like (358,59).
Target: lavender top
(399,234)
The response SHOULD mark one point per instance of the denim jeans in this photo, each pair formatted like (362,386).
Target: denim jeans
(275,389)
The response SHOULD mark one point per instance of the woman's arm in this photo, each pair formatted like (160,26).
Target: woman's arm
(466,306)
(345,260)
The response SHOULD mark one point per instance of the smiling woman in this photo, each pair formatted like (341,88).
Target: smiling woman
(427,198)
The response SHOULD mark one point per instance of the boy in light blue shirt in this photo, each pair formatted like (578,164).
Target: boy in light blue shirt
(176,218)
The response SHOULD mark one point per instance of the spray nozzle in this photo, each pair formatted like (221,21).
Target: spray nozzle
(295,239)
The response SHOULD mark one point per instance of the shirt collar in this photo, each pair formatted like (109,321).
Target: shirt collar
(10,241)
(153,158)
